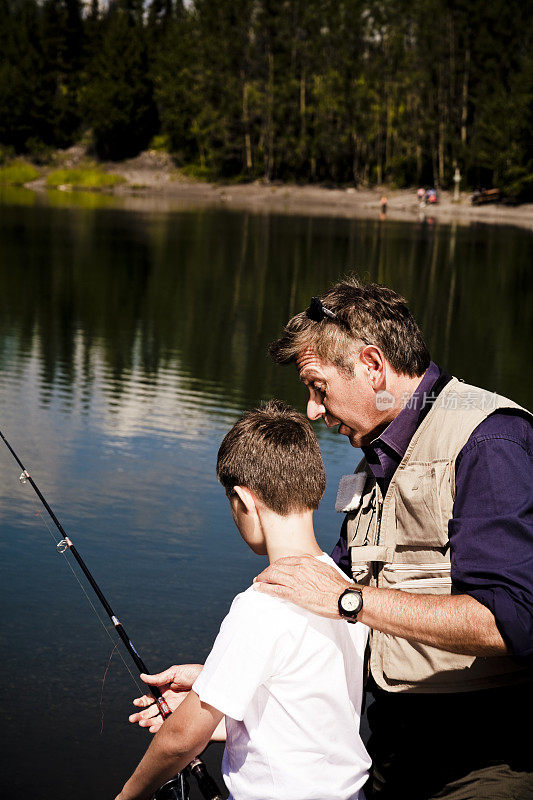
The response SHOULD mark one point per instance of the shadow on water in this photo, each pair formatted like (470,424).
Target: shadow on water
(129,342)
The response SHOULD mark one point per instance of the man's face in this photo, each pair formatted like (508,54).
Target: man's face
(348,401)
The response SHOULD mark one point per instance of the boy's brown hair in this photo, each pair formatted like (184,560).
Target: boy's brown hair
(273,451)
(363,314)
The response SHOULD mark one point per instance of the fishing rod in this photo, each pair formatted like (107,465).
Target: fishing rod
(177,788)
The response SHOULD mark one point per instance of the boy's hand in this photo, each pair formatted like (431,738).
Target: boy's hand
(305,581)
(175,683)
(183,735)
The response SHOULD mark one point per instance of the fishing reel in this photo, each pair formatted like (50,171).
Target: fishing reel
(175,789)
(178,788)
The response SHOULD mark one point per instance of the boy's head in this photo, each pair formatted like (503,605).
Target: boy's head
(273,451)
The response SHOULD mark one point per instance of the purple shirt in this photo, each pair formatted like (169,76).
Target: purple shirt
(491,531)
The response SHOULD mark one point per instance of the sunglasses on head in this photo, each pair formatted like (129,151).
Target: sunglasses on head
(317,311)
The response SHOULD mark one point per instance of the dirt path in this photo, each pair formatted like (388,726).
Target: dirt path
(151,176)
(153,183)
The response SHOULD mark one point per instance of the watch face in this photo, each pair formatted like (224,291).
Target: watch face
(351,602)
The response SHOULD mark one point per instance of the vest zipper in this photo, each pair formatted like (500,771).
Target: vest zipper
(421,583)
(395,567)
(375,564)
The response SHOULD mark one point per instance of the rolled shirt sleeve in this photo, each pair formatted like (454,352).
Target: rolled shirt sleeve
(491,531)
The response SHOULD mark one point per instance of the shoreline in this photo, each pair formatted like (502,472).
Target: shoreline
(402,205)
(153,184)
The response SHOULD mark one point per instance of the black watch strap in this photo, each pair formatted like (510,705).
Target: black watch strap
(350,604)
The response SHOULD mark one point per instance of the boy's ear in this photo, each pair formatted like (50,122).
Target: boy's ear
(247,498)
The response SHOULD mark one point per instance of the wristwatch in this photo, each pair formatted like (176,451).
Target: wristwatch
(350,604)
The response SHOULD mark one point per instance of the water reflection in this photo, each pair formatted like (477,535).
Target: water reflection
(128,344)
(205,292)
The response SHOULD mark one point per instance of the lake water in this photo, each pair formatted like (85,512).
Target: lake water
(129,343)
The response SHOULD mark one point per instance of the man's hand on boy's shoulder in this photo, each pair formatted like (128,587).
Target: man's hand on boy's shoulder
(175,683)
(305,581)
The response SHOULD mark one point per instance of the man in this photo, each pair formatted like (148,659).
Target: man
(438,536)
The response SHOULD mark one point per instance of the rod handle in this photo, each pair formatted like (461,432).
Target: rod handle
(206,784)
(161,703)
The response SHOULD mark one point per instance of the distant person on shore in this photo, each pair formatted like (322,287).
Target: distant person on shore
(288,682)
(383,205)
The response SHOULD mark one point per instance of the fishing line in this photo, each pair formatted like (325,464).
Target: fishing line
(175,789)
(102,689)
(115,644)
(64,552)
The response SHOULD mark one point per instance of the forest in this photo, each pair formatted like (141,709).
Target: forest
(358,92)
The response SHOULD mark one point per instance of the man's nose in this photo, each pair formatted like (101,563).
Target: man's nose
(315,410)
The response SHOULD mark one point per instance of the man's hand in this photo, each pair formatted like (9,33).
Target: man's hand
(175,683)
(455,623)
(305,581)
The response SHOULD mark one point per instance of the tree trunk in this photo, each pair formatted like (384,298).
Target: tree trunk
(464,97)
(303,123)
(389,131)
(441,106)
(269,165)
(379,162)
(303,127)
(246,127)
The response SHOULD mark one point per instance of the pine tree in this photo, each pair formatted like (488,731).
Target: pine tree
(26,88)
(62,42)
(118,98)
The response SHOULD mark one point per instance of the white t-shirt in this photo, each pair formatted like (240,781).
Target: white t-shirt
(290,685)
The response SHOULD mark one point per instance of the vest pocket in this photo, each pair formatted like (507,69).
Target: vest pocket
(432,578)
(408,662)
(430,669)
(421,518)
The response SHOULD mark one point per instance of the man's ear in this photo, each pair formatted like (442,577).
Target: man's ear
(372,358)
(247,498)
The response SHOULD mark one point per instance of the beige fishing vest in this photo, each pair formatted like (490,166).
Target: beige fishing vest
(401,542)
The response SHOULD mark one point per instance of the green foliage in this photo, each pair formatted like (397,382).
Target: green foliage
(160,143)
(63,40)
(198,171)
(17,173)
(518,182)
(39,72)
(342,91)
(6,154)
(118,98)
(25,90)
(88,177)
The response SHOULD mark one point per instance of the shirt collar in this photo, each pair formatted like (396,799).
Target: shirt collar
(399,432)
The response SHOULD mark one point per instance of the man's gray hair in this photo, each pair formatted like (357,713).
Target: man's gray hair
(363,315)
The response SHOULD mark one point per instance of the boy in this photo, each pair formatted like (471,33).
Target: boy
(288,682)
